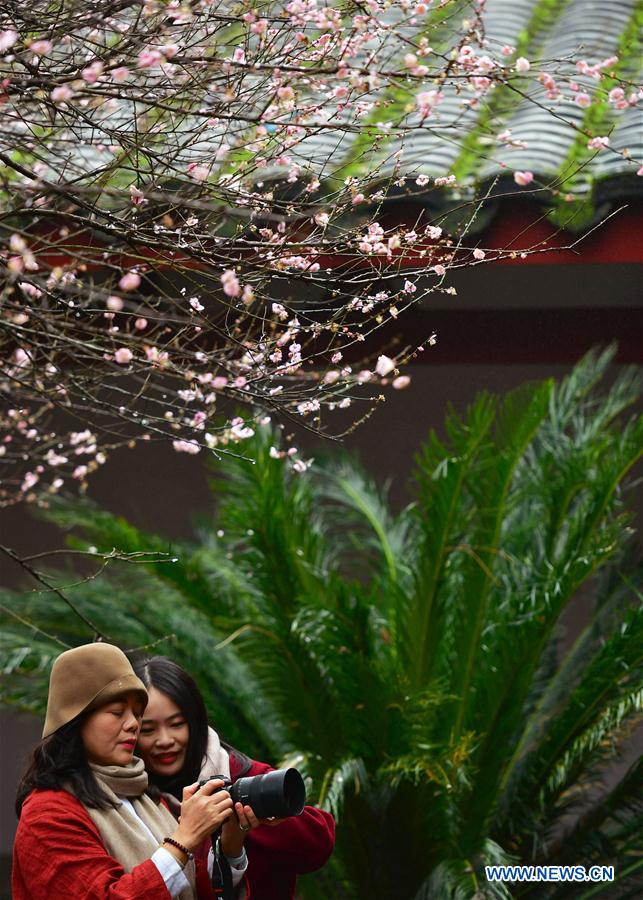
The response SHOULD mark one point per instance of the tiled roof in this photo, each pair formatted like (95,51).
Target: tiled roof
(462,141)
(575,184)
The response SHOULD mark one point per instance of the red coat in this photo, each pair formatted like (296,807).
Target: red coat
(277,855)
(58,854)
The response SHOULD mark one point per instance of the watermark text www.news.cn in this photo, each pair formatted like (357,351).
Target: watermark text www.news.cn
(549,873)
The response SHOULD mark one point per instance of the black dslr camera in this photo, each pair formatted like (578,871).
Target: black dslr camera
(274,795)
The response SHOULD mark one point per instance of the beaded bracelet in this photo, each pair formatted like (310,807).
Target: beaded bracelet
(169,840)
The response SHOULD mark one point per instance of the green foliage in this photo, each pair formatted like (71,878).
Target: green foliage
(411,665)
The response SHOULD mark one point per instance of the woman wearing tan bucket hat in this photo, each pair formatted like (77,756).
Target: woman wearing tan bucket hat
(87,828)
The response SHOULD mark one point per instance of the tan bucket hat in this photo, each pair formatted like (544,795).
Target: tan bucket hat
(87,677)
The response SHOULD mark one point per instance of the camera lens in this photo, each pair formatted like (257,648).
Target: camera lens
(281,793)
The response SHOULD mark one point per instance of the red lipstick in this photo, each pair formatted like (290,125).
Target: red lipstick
(167,759)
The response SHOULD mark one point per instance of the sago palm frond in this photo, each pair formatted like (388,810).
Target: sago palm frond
(443,516)
(272,519)
(608,692)
(465,879)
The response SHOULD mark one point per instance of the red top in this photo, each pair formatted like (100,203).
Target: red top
(58,852)
(277,855)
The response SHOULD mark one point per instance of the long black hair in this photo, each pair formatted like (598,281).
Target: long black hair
(165,675)
(59,762)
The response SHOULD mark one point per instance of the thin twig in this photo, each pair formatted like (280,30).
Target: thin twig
(38,577)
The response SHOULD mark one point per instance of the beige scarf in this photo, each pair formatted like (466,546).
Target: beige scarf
(123,837)
(216,760)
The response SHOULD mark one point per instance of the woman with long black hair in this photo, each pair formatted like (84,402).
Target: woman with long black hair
(88,826)
(178,747)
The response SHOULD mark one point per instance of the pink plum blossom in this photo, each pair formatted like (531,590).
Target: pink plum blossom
(198,171)
(7,39)
(31,291)
(445,180)
(136,196)
(523,178)
(230,282)
(120,74)
(93,72)
(598,143)
(240,430)
(41,47)
(169,51)
(522,64)
(401,382)
(21,358)
(149,57)
(62,93)
(123,356)
(427,100)
(55,459)
(29,481)
(478,253)
(130,281)
(384,365)
(186,447)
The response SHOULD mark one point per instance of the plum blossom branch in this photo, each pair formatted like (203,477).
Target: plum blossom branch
(195,225)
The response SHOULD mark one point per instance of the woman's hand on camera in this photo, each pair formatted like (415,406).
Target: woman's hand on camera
(203,810)
(239,826)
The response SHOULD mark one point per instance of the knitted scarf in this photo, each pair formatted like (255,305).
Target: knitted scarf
(216,760)
(123,837)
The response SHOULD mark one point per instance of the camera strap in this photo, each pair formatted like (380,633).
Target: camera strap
(221,871)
